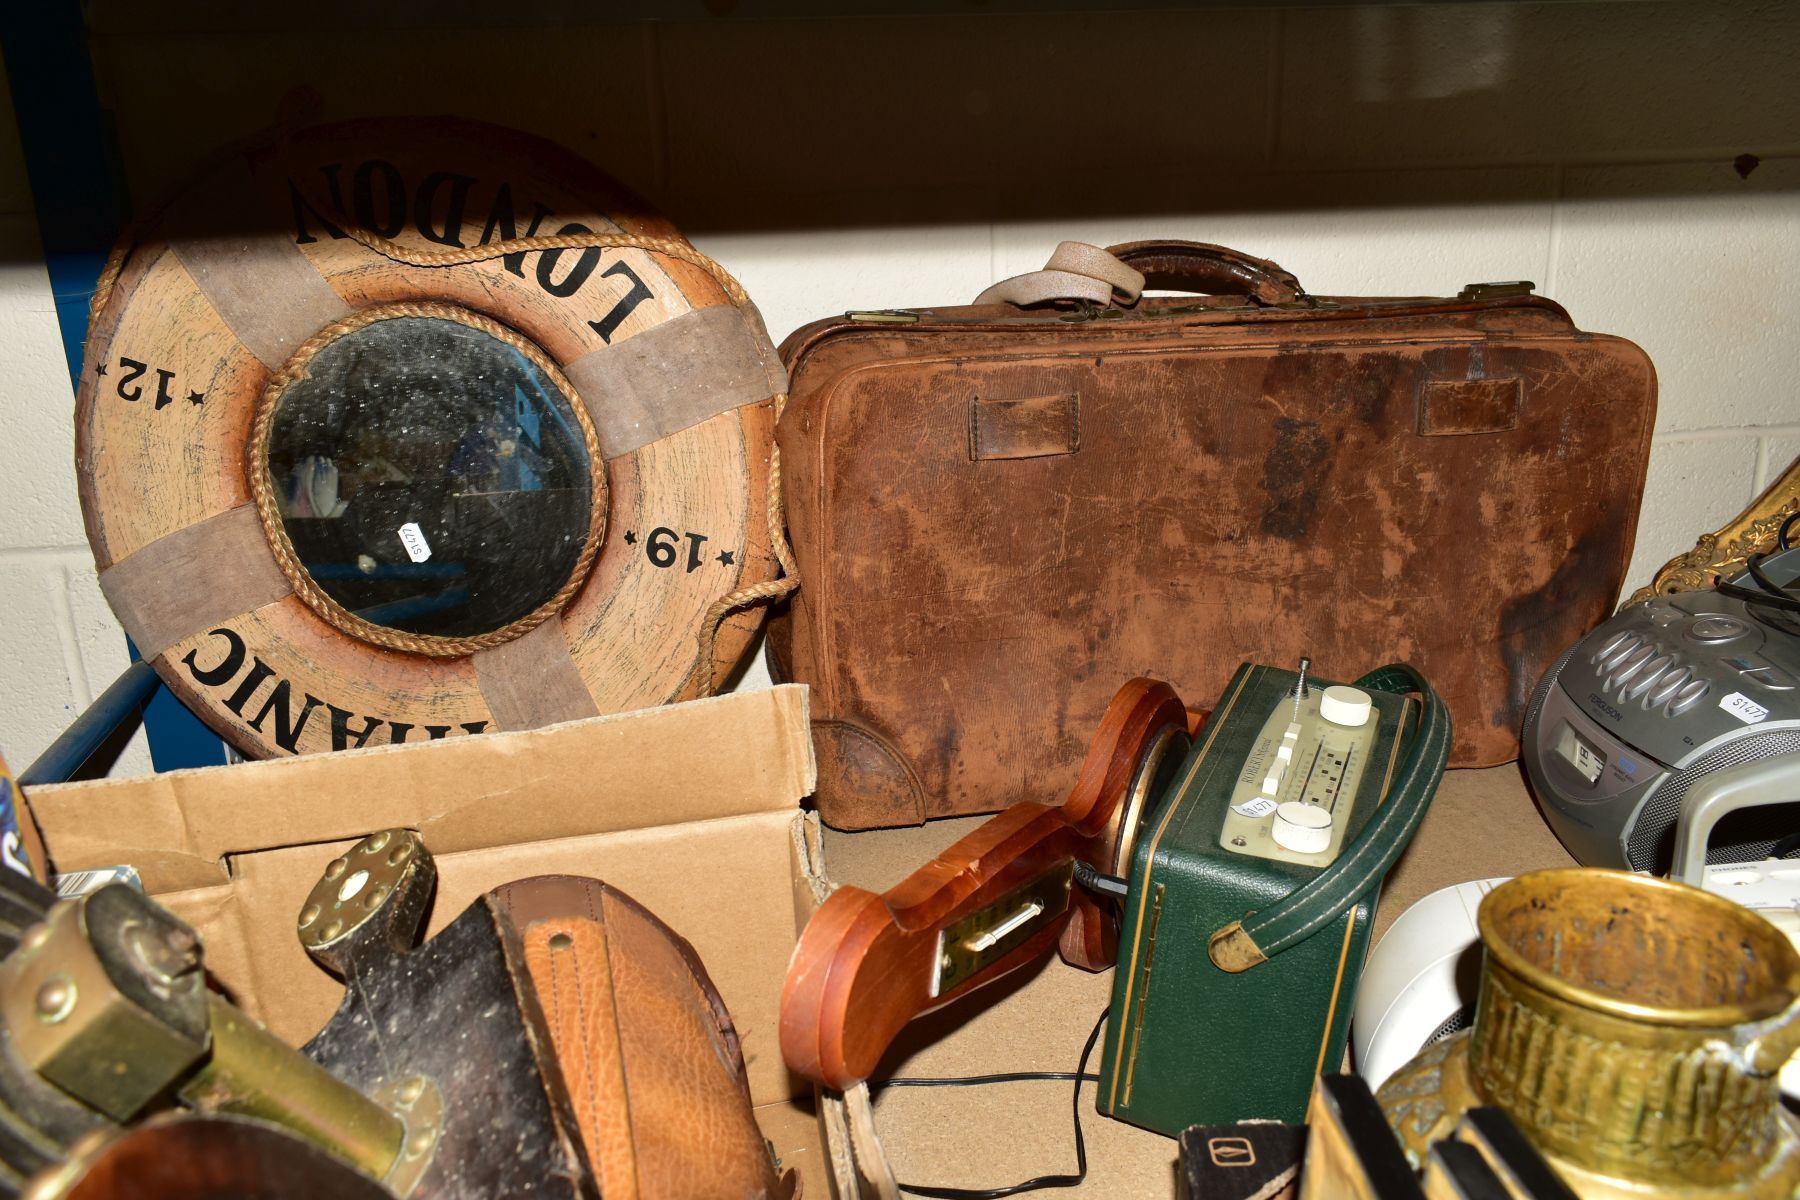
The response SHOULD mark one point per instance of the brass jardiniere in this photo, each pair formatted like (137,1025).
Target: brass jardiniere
(1633,1028)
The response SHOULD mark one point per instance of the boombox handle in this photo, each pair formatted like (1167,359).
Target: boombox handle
(1773,780)
(1262,935)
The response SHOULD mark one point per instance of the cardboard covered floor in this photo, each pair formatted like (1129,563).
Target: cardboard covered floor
(1482,823)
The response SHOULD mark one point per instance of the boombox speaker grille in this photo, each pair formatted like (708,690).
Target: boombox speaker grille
(1543,689)
(1744,836)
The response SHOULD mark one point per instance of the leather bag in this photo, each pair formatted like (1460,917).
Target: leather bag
(1004,511)
(648,1052)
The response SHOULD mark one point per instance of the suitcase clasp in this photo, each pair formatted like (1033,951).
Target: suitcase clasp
(1087,310)
(882,316)
(1495,291)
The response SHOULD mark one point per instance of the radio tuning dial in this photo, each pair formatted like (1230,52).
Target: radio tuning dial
(1346,706)
(1302,828)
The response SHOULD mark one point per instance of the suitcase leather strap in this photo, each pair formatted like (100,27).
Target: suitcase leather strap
(1262,935)
(1076,271)
(1119,274)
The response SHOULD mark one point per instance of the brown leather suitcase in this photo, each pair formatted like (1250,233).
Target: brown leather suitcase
(1002,512)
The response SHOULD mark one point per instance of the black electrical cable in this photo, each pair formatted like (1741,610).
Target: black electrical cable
(1766,591)
(1785,846)
(1754,596)
(1079,1075)
(979,1080)
(1781,535)
(1754,564)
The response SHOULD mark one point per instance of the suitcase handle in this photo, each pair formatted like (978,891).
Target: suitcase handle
(1262,935)
(1210,270)
(1119,274)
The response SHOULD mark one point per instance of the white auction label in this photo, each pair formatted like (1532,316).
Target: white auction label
(1262,806)
(1743,708)
(413,538)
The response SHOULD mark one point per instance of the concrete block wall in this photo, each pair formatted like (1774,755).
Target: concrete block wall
(59,644)
(1638,159)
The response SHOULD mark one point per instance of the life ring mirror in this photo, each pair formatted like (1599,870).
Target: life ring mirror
(431,473)
(218,305)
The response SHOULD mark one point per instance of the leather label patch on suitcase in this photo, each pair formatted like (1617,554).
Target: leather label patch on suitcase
(1452,406)
(1032,427)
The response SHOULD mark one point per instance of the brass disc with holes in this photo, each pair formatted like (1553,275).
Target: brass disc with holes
(344,500)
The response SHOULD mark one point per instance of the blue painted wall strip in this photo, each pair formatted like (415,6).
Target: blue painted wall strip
(79,194)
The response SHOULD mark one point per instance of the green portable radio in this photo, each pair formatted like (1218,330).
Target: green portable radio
(1253,880)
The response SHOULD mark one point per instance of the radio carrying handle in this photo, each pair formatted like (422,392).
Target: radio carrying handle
(1774,780)
(1261,935)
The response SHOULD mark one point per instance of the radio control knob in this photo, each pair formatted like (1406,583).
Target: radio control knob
(1346,706)
(1302,828)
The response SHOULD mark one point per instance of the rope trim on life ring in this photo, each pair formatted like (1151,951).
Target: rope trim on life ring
(265,495)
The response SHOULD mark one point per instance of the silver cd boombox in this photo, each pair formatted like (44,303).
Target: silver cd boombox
(1659,697)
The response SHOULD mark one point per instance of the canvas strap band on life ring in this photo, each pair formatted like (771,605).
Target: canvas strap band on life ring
(676,375)
(532,680)
(666,379)
(152,590)
(527,682)
(685,374)
(264,288)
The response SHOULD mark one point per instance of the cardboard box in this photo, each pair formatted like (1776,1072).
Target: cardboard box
(692,809)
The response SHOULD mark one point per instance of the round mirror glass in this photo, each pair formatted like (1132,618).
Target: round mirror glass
(431,477)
